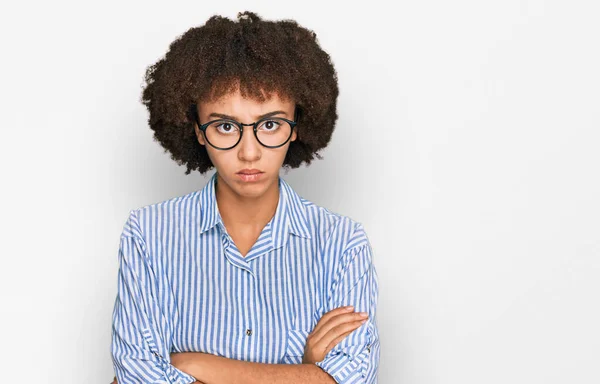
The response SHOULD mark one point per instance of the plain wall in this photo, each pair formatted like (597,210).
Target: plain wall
(467,144)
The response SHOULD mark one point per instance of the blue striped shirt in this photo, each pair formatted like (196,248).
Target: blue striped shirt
(183,286)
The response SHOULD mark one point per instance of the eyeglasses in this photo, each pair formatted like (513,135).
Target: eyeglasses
(271,132)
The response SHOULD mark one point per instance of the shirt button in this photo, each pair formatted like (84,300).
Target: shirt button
(249,332)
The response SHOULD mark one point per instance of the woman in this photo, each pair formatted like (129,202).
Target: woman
(244,280)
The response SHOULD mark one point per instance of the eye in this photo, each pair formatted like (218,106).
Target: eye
(270,125)
(226,127)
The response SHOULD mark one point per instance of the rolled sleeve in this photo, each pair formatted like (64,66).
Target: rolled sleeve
(355,359)
(140,333)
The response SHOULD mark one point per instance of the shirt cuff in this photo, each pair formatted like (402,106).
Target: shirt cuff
(345,368)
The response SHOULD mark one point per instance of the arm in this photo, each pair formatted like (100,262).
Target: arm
(140,333)
(355,359)
(116,382)
(211,369)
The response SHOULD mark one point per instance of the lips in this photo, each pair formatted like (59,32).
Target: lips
(250,175)
(249,172)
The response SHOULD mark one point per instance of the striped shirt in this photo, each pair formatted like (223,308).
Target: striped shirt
(183,286)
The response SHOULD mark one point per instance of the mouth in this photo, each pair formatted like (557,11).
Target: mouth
(249,175)
(249,172)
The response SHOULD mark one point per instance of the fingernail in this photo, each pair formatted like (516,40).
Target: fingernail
(349,308)
(363,314)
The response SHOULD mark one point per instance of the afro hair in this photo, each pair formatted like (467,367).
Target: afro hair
(253,55)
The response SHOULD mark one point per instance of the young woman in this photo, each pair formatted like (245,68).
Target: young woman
(244,280)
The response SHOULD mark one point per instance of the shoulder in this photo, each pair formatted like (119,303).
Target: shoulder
(151,218)
(345,252)
(335,229)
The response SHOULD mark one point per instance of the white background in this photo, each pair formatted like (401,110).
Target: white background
(467,144)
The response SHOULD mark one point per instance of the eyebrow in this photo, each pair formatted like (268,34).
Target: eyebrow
(223,116)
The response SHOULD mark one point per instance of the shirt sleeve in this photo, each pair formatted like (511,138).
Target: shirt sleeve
(355,359)
(140,334)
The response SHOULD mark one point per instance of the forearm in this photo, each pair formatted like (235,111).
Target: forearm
(116,382)
(210,369)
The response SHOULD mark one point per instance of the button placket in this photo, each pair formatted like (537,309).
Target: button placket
(249,321)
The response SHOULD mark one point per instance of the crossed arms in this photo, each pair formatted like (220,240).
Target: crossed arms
(339,349)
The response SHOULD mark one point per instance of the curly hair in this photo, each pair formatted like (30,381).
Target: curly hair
(253,55)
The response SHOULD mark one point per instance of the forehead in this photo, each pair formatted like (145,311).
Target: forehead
(236,98)
(245,107)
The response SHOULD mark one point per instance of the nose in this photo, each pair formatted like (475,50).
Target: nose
(249,149)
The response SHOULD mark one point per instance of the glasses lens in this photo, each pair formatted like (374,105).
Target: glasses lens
(273,131)
(223,133)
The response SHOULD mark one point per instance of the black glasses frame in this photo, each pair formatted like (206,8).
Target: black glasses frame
(241,126)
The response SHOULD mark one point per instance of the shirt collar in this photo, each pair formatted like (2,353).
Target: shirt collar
(290,215)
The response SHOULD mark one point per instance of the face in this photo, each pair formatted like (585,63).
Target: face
(249,154)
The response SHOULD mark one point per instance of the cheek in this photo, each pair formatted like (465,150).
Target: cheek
(277,156)
(221,159)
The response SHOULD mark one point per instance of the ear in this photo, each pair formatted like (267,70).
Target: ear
(294,134)
(199,135)
(195,116)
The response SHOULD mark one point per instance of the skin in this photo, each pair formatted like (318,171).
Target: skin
(245,209)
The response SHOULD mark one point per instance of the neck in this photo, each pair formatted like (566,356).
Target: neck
(244,214)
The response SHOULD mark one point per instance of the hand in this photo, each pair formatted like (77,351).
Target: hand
(115,381)
(179,360)
(332,328)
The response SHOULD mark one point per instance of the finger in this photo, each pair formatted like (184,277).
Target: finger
(322,342)
(337,320)
(332,322)
(336,341)
(336,331)
(326,342)
(333,313)
(340,333)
